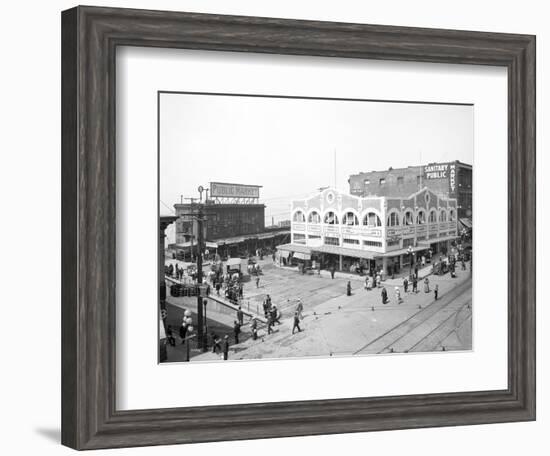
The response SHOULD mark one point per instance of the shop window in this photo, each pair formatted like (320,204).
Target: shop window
(299,238)
(332,241)
(314,217)
(452,215)
(393,219)
(331,218)
(421,218)
(350,219)
(299,217)
(371,219)
(408,243)
(408,219)
(351,241)
(372,243)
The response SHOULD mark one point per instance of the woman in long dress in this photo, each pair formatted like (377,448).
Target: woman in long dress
(426,285)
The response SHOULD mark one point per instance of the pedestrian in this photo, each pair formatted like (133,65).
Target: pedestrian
(275,315)
(426,285)
(348,288)
(384,295)
(225,347)
(332,272)
(416,270)
(423,261)
(463,264)
(254,328)
(240,316)
(258,282)
(236,331)
(218,286)
(436,291)
(378,281)
(405,285)
(368,283)
(266,308)
(415,283)
(296,324)
(183,332)
(216,344)
(398,297)
(170,336)
(300,309)
(269,323)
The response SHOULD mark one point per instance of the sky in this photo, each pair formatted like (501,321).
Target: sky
(292,147)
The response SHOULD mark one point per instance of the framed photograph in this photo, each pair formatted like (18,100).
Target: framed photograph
(283,228)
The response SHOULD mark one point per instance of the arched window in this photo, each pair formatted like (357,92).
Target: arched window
(299,217)
(314,217)
(408,218)
(433,216)
(443,215)
(371,219)
(421,217)
(393,219)
(331,218)
(452,215)
(350,219)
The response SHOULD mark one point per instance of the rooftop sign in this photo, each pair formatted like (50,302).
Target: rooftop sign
(225,190)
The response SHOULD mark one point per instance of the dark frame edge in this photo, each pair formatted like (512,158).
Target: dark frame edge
(89,418)
(69,229)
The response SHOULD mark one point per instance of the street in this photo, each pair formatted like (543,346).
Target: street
(335,324)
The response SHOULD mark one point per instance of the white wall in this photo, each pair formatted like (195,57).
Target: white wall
(30,201)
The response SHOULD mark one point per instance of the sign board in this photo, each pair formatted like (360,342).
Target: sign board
(223,190)
(443,172)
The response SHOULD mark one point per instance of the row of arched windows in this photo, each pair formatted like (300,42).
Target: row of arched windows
(331,218)
(372,219)
(409,219)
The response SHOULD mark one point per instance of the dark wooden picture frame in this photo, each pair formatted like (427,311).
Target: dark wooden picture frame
(90,36)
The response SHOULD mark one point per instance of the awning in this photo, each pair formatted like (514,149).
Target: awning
(404,251)
(436,240)
(336,250)
(466,222)
(188,245)
(293,248)
(302,256)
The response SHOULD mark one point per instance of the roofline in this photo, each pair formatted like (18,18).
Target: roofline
(409,167)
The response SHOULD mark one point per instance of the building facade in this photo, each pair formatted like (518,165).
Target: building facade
(233,222)
(379,231)
(221,220)
(449,179)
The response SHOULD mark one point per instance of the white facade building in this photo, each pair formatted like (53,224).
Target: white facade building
(377,231)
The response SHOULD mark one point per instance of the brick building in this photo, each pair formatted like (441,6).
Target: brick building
(234,221)
(449,179)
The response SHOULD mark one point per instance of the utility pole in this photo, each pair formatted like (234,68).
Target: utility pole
(199,218)
(200,250)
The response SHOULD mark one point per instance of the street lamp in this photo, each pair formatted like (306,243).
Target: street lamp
(188,323)
(205,333)
(410,250)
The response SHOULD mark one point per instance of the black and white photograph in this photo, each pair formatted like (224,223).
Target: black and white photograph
(295,227)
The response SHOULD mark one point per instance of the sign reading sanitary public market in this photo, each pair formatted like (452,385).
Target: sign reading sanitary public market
(224,190)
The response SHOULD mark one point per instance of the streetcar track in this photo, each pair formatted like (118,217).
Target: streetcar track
(453,315)
(455,293)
